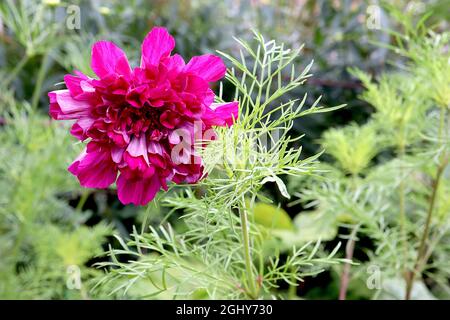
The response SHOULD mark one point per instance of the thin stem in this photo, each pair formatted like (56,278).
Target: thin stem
(247,253)
(345,276)
(422,252)
(349,249)
(40,80)
(423,241)
(292,291)
(426,230)
(82,201)
(401,191)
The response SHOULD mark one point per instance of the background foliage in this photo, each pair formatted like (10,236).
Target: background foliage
(383,153)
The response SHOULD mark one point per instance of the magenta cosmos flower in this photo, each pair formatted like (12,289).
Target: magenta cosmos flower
(132,117)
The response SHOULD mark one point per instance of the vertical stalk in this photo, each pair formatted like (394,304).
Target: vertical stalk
(292,291)
(422,252)
(247,254)
(423,241)
(426,230)
(83,198)
(39,81)
(349,249)
(401,191)
(345,276)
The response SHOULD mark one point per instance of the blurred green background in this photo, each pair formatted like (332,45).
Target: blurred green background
(47,221)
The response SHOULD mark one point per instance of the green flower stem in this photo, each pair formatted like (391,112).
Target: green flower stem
(401,191)
(350,248)
(423,241)
(422,252)
(40,80)
(292,291)
(247,254)
(83,198)
(345,276)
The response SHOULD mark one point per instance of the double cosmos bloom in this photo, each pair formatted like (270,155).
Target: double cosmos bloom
(135,119)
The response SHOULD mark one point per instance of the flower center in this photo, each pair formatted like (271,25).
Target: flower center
(136,121)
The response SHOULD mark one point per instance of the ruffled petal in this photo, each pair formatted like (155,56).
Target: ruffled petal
(221,114)
(188,173)
(138,147)
(169,119)
(94,168)
(155,147)
(79,87)
(209,67)
(175,63)
(157,44)
(117,154)
(80,127)
(64,107)
(137,191)
(109,59)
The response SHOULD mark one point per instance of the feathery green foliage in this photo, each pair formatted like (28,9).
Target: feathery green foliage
(390,180)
